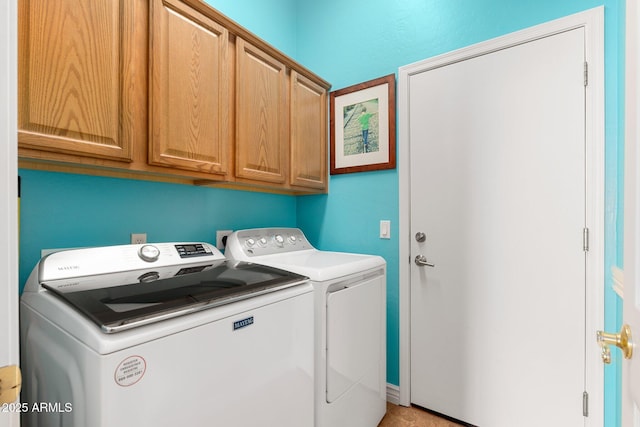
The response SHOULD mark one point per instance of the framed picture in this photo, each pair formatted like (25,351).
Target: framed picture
(363,126)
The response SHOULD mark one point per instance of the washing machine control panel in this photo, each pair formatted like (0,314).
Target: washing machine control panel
(109,259)
(266,241)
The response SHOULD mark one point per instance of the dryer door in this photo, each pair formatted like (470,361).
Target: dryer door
(355,337)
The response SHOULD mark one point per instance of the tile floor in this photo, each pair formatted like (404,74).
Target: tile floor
(401,416)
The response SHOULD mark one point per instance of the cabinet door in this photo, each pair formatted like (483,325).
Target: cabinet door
(308,133)
(77,77)
(261,115)
(189,117)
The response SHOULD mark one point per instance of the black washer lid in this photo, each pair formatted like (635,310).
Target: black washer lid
(120,306)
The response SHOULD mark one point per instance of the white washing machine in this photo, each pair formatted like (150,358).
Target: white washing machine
(350,320)
(165,335)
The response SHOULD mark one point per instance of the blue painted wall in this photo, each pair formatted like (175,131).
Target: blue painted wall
(274,21)
(66,210)
(345,43)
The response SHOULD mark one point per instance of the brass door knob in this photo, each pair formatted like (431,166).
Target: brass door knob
(10,383)
(621,340)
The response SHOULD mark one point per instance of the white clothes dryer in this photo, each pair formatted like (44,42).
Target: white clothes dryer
(350,320)
(168,334)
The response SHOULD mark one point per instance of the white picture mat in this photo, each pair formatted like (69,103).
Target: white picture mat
(381,93)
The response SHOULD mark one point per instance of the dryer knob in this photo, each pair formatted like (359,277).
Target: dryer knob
(292,239)
(263,241)
(149,253)
(250,242)
(279,240)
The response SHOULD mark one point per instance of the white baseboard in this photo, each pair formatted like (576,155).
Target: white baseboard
(393,394)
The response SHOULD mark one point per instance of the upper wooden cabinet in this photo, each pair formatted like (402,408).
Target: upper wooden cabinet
(167,90)
(189,94)
(308,133)
(78,76)
(261,115)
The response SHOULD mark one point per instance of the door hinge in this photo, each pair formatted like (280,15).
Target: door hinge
(585,239)
(586,73)
(585,404)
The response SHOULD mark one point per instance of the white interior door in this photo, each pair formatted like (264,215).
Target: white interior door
(497,160)
(8,195)
(631,309)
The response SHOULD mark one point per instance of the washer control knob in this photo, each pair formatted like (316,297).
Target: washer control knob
(279,239)
(263,241)
(149,253)
(293,240)
(250,242)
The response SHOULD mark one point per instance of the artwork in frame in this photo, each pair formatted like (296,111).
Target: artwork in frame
(363,126)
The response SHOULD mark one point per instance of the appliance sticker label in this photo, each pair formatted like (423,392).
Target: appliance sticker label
(239,324)
(130,371)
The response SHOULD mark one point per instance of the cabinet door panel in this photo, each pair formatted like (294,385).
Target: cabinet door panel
(308,133)
(72,77)
(261,115)
(190,90)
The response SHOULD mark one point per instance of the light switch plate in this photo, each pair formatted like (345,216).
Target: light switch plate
(385,229)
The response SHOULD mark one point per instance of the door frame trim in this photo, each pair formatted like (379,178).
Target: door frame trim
(631,200)
(592,21)
(10,333)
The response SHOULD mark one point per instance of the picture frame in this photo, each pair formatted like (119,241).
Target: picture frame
(363,126)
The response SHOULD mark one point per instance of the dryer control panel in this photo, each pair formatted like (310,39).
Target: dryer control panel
(266,241)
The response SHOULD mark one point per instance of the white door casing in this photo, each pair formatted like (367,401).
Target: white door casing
(9,332)
(592,22)
(631,308)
